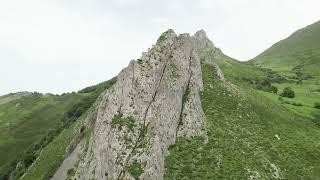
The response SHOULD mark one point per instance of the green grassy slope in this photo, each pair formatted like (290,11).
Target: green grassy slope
(54,153)
(296,58)
(25,121)
(28,124)
(13,96)
(298,52)
(307,92)
(237,71)
(249,136)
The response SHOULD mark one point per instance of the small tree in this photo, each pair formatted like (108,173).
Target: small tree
(287,92)
(274,89)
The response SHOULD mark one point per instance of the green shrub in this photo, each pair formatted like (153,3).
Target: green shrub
(274,89)
(99,88)
(71,172)
(297,104)
(119,120)
(265,85)
(135,169)
(288,92)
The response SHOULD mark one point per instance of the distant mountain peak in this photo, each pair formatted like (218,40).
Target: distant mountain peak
(300,51)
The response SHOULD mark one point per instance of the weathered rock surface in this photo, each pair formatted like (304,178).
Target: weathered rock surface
(155,100)
(69,162)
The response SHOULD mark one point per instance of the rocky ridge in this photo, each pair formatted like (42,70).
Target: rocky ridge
(154,101)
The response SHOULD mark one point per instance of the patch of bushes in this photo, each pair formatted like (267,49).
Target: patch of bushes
(78,109)
(119,120)
(280,98)
(296,104)
(163,37)
(265,85)
(299,74)
(288,92)
(35,93)
(299,82)
(275,78)
(135,169)
(99,88)
(71,172)
(274,89)
(142,142)
(317,105)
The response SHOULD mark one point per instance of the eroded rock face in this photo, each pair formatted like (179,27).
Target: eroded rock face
(155,100)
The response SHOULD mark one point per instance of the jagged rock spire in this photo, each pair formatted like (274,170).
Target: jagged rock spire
(155,100)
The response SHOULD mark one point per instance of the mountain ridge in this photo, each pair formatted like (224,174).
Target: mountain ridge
(160,102)
(183,110)
(298,52)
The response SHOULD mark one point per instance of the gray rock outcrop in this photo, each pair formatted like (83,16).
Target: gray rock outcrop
(155,100)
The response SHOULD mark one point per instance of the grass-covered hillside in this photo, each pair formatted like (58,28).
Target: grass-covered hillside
(31,121)
(271,83)
(299,53)
(259,133)
(262,123)
(249,135)
(23,122)
(13,96)
(297,60)
(55,152)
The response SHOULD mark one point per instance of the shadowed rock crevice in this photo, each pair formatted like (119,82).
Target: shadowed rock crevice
(185,96)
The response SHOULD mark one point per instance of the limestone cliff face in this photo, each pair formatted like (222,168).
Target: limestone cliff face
(154,101)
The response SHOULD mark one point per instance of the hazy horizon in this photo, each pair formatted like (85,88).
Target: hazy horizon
(63,46)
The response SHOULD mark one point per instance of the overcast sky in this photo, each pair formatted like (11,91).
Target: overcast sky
(64,45)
